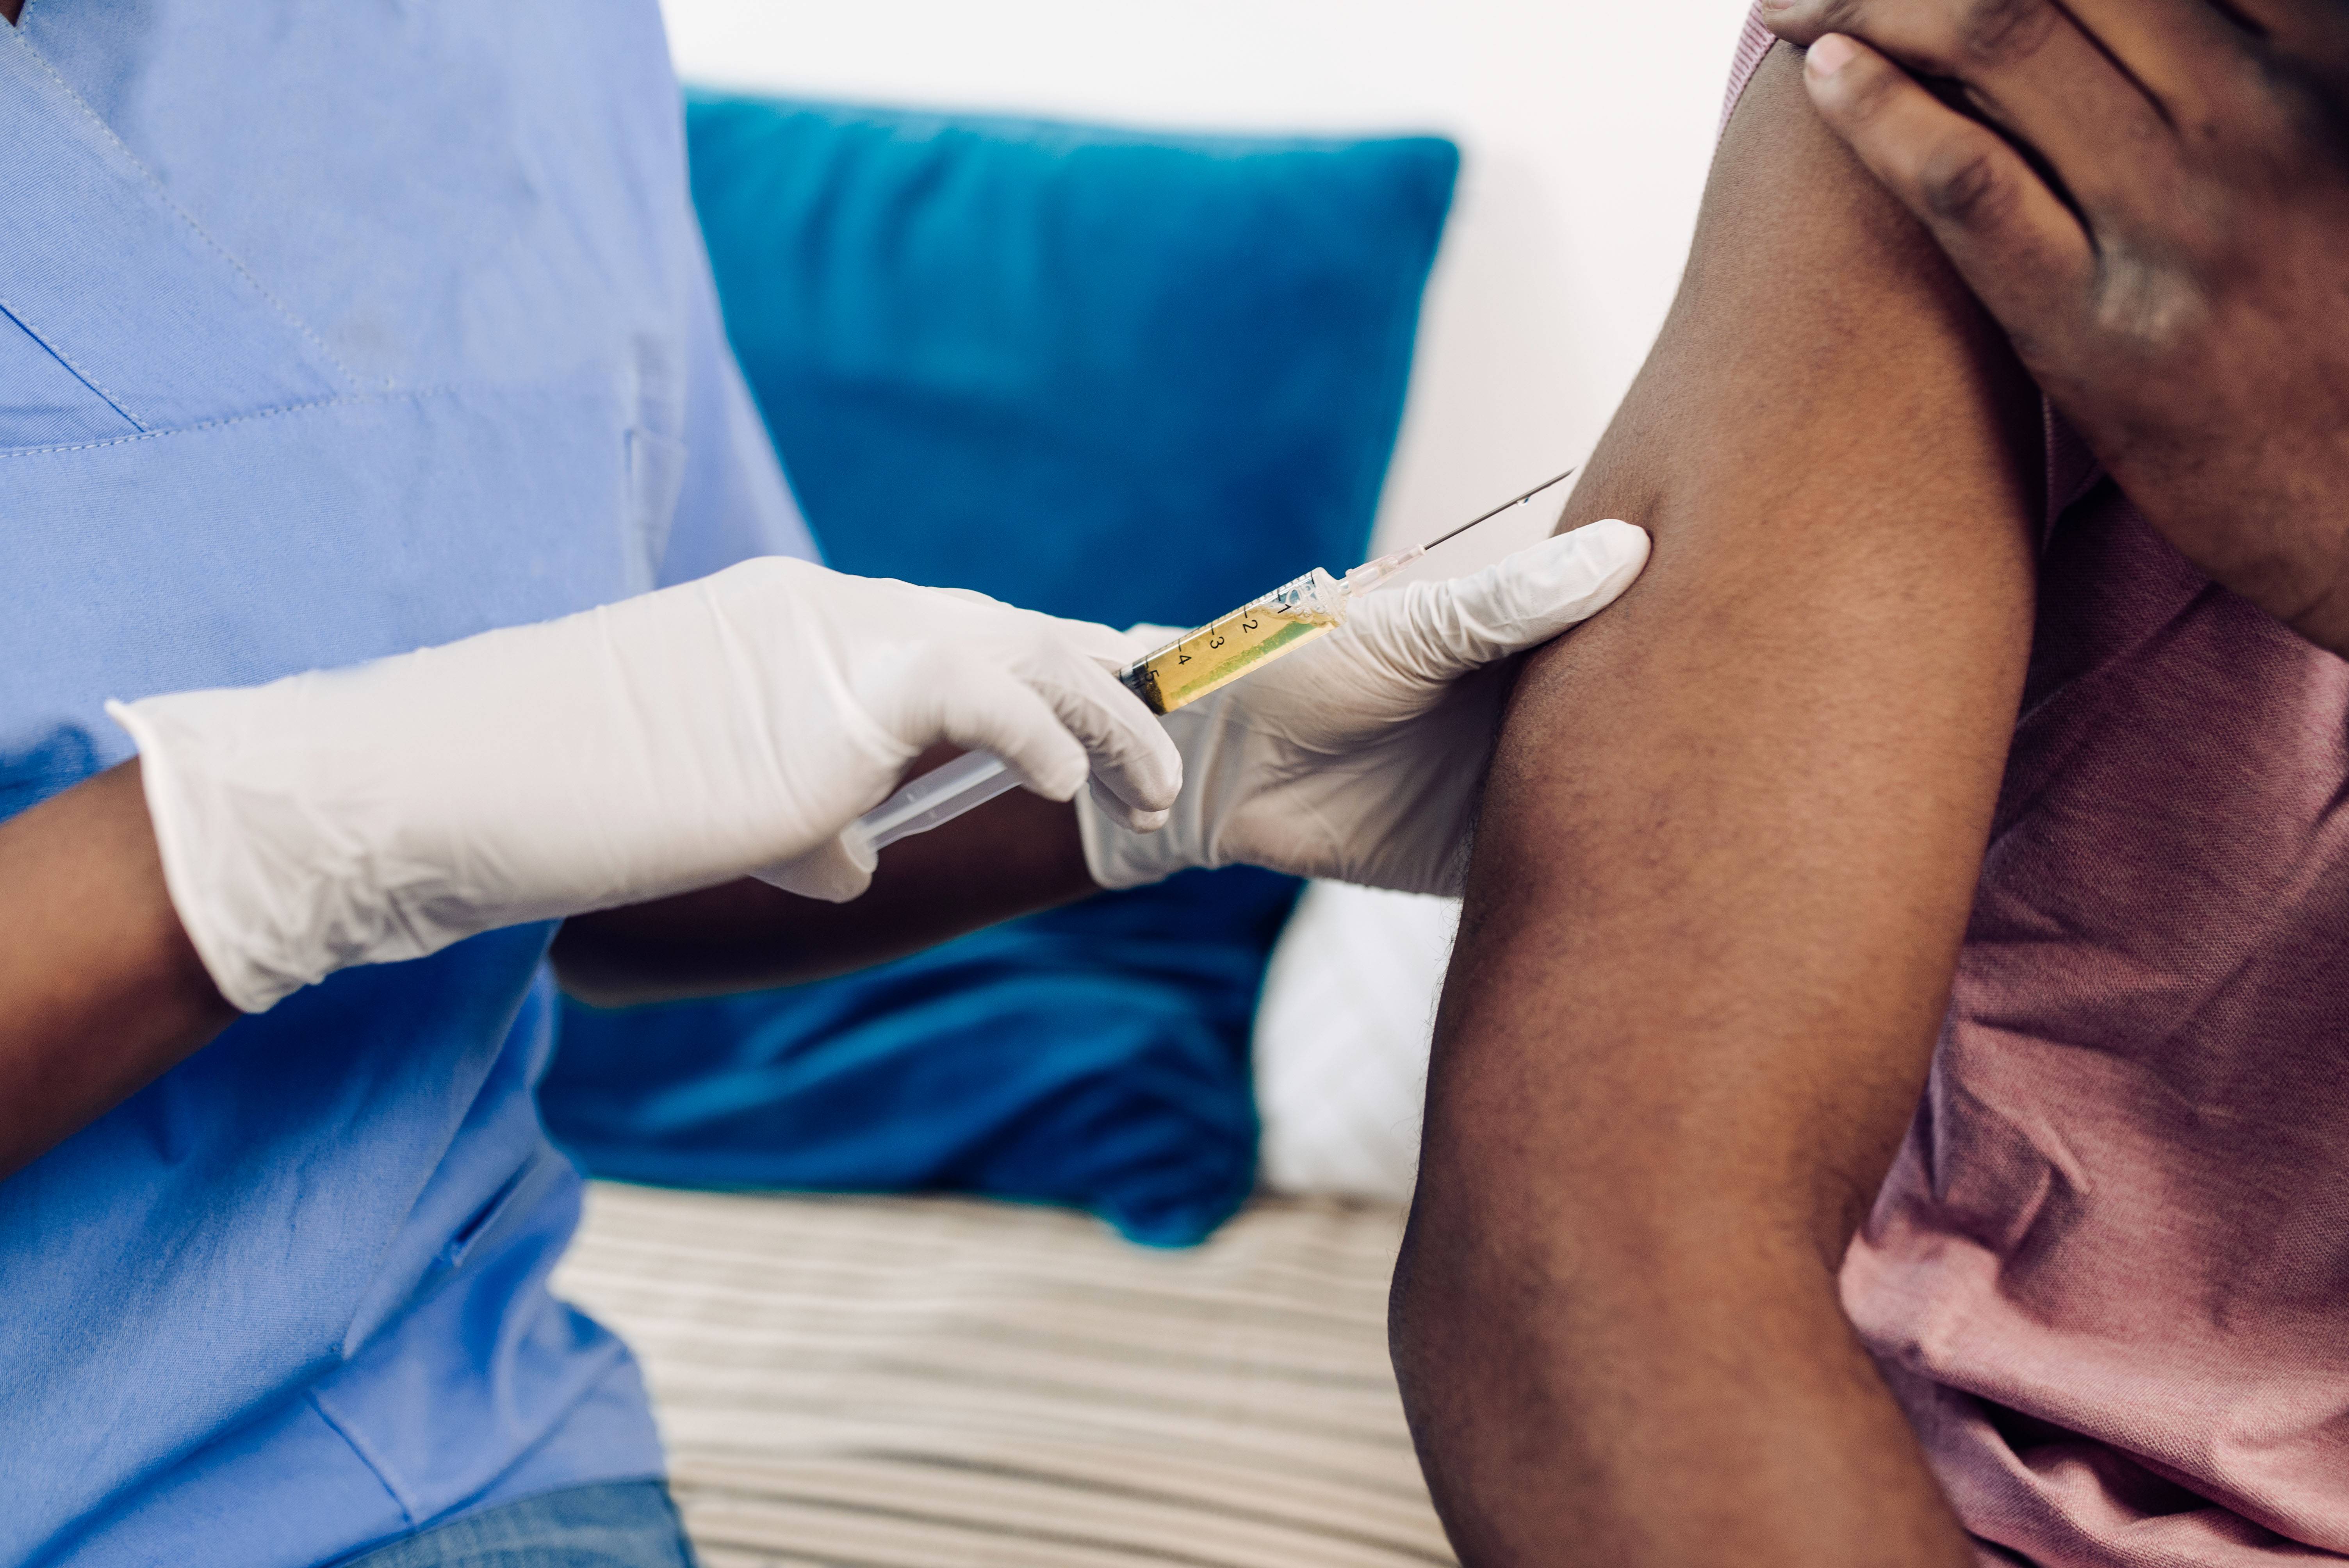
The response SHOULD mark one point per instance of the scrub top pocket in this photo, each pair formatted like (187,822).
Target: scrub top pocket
(43,403)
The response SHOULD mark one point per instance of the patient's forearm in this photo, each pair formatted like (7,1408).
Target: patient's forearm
(1724,863)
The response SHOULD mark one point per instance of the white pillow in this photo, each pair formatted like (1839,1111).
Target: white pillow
(1341,1037)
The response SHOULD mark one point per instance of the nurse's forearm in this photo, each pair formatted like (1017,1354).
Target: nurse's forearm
(1018,853)
(100,991)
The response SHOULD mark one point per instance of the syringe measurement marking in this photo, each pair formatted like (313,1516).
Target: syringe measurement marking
(1166,680)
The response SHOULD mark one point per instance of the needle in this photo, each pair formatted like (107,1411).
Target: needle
(1363,579)
(1498,511)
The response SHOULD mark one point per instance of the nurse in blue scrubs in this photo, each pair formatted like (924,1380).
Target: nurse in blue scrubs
(400,591)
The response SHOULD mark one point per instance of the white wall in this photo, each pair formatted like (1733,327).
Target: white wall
(1585,128)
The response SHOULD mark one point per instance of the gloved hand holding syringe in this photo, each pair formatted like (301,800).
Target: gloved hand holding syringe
(731,725)
(1199,662)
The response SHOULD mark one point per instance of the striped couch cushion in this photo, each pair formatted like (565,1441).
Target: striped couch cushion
(931,1382)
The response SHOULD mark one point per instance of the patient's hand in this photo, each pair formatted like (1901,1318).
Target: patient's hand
(2173,272)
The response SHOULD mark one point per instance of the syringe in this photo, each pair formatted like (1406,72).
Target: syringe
(1184,671)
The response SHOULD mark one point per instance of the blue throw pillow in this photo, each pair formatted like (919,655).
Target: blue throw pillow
(1123,378)
(1100,374)
(1093,1056)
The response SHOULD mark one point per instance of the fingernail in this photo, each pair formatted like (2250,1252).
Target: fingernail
(1830,55)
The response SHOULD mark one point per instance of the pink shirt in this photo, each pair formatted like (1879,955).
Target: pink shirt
(2108,1275)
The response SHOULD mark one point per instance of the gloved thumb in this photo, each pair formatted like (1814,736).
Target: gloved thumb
(1439,631)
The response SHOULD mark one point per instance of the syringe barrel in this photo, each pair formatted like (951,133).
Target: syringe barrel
(1230,646)
(937,797)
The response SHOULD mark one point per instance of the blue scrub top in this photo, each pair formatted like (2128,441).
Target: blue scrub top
(330,331)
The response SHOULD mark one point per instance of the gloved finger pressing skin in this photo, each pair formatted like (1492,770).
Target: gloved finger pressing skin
(1531,596)
(1360,755)
(1437,632)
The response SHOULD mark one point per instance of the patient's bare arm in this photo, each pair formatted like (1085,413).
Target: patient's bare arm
(1723,871)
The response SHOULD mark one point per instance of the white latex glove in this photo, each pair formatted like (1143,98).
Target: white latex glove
(728,726)
(1360,757)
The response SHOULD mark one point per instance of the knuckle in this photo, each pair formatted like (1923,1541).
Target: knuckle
(2154,313)
(1804,21)
(1867,91)
(1962,184)
(2291,116)
(1035,641)
(952,681)
(2000,32)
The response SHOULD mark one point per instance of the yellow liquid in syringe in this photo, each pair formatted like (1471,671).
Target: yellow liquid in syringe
(1230,647)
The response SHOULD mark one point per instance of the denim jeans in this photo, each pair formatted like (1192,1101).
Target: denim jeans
(620,1524)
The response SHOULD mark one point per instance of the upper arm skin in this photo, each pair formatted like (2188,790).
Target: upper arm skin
(1727,850)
